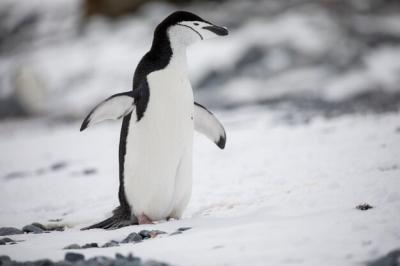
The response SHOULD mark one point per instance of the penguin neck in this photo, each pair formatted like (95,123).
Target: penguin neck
(171,53)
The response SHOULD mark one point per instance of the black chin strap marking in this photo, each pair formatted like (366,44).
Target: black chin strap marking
(201,37)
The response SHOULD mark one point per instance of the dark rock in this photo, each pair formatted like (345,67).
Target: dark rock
(58,166)
(111,243)
(45,262)
(74,257)
(55,220)
(150,234)
(2,242)
(15,175)
(55,228)
(90,245)
(72,246)
(154,263)
(176,233)
(5,231)
(32,229)
(41,226)
(391,259)
(132,237)
(364,207)
(6,239)
(184,228)
(145,234)
(89,171)
(5,260)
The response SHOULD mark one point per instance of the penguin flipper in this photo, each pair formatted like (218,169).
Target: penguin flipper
(114,107)
(120,218)
(206,123)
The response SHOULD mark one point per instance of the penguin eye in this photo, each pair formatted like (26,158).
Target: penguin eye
(196,24)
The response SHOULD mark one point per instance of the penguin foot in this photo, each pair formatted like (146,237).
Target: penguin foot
(143,219)
(120,218)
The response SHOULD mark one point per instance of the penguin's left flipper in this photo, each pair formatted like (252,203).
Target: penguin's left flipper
(206,123)
(114,107)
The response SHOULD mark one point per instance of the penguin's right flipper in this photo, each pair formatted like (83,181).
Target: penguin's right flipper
(115,107)
(119,219)
(206,123)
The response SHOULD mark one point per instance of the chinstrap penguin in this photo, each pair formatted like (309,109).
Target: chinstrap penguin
(159,117)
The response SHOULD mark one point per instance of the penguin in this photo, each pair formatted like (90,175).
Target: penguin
(159,116)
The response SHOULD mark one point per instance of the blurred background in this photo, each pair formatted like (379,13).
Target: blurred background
(301,57)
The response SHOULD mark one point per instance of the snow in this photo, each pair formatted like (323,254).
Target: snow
(278,194)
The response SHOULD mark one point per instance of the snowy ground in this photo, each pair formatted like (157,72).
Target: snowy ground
(278,194)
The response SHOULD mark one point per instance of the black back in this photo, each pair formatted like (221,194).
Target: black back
(156,58)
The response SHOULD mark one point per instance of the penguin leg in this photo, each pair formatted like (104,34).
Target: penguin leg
(120,218)
(143,219)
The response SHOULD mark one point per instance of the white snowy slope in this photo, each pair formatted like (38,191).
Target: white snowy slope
(277,195)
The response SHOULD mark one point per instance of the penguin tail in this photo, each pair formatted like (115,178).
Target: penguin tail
(120,218)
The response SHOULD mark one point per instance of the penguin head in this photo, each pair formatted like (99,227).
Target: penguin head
(185,28)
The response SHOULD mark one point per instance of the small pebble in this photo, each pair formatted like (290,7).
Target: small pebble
(74,257)
(90,245)
(58,166)
(132,237)
(73,246)
(184,228)
(14,175)
(364,207)
(32,229)
(89,171)
(112,243)
(5,231)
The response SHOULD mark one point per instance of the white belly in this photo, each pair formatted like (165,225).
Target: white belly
(157,144)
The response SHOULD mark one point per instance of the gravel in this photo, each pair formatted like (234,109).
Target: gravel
(79,260)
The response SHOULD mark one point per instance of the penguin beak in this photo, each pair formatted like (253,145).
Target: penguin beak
(220,31)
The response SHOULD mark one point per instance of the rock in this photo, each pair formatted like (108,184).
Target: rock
(15,175)
(5,231)
(44,262)
(72,246)
(74,257)
(5,260)
(6,239)
(55,227)
(176,233)
(132,237)
(32,229)
(391,259)
(364,207)
(153,263)
(2,242)
(184,228)
(41,226)
(98,261)
(145,234)
(90,245)
(111,243)
(58,166)
(89,171)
